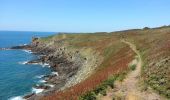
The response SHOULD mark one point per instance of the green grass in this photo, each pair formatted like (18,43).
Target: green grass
(153,45)
(101,89)
(88,96)
(153,50)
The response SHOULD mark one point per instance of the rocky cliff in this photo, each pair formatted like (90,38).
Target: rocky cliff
(72,65)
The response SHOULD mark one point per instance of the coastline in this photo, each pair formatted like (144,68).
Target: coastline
(43,86)
(69,66)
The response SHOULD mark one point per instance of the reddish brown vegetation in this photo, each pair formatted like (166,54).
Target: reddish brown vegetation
(153,44)
(116,63)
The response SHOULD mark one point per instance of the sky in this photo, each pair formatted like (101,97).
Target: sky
(82,15)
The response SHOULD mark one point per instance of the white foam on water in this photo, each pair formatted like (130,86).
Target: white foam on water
(49,66)
(23,62)
(45,65)
(55,73)
(16,98)
(42,64)
(35,63)
(39,76)
(27,51)
(42,81)
(34,90)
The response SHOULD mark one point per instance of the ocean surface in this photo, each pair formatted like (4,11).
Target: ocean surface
(16,78)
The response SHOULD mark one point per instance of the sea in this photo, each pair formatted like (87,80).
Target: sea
(17,78)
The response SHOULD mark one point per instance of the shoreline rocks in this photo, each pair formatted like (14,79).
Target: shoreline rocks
(27,47)
(59,62)
(70,66)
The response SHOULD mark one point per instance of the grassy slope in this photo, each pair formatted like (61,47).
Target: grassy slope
(154,45)
(116,56)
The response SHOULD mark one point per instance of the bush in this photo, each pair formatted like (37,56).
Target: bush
(122,76)
(146,28)
(110,82)
(91,95)
(99,89)
(88,96)
(133,67)
(103,92)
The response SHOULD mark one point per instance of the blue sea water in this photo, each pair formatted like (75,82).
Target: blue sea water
(17,79)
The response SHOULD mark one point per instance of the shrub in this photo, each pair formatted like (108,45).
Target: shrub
(110,82)
(103,92)
(88,96)
(99,89)
(146,28)
(133,67)
(168,94)
(121,76)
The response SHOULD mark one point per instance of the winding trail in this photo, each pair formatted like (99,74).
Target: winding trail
(129,89)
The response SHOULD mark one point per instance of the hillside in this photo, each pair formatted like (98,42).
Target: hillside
(102,59)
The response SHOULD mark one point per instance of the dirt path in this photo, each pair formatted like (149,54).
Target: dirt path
(129,89)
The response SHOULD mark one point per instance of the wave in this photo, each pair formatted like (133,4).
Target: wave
(25,44)
(54,73)
(23,62)
(27,51)
(42,64)
(34,90)
(35,63)
(17,98)
(42,81)
(39,76)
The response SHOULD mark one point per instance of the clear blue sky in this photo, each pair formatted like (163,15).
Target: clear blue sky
(82,15)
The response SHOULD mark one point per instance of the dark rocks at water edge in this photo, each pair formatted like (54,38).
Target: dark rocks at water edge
(58,60)
(41,86)
(21,47)
(26,47)
(29,95)
(36,61)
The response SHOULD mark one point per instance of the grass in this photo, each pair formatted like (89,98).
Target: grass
(153,45)
(88,96)
(154,50)
(47,38)
(101,89)
(117,61)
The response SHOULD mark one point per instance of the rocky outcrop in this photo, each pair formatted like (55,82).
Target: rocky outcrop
(28,47)
(71,66)
(21,47)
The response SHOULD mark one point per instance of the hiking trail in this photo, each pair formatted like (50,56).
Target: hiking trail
(129,88)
